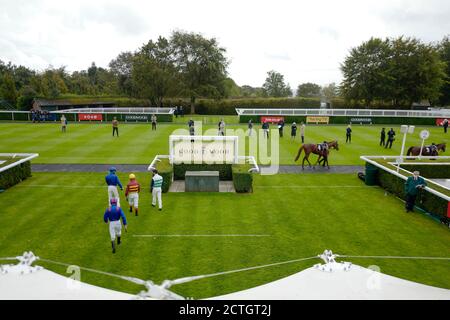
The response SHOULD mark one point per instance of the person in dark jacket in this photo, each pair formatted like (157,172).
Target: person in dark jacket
(280,128)
(445,125)
(391,138)
(265,127)
(348,134)
(412,186)
(293,130)
(383,137)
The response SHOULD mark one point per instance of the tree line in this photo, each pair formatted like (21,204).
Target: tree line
(187,65)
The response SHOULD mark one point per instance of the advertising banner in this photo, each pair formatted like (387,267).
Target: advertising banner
(136,117)
(90,117)
(440,120)
(271,119)
(325,120)
(361,120)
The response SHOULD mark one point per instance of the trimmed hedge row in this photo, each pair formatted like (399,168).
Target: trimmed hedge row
(225,173)
(429,171)
(15,175)
(347,120)
(242,179)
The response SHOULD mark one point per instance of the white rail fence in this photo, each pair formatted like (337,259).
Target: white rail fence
(371,160)
(444,113)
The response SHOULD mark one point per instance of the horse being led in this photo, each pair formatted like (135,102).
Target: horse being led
(314,148)
(432,150)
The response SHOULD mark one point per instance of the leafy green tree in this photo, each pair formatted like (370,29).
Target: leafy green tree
(308,90)
(274,86)
(248,91)
(401,70)
(231,88)
(329,91)
(417,71)
(154,71)
(201,64)
(8,90)
(26,96)
(444,52)
(121,67)
(366,71)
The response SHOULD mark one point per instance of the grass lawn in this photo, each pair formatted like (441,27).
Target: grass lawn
(59,216)
(137,144)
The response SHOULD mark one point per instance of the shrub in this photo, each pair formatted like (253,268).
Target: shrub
(14,175)
(242,179)
(429,171)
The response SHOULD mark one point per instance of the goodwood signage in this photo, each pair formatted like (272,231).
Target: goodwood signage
(136,117)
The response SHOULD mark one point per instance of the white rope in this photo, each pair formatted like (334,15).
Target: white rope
(8,258)
(197,235)
(132,279)
(395,257)
(192,278)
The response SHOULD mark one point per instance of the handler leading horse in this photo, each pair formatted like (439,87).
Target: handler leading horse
(314,148)
(427,150)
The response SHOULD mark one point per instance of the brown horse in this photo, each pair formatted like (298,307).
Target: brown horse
(313,148)
(426,151)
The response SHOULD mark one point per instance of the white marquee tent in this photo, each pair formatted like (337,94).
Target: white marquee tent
(331,281)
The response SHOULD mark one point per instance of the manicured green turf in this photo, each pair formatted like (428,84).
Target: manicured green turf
(137,144)
(59,216)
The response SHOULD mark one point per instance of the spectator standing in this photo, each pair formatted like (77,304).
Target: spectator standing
(391,138)
(293,130)
(280,128)
(302,132)
(265,127)
(445,125)
(383,137)
(221,127)
(412,186)
(348,134)
(192,130)
(153,119)
(115,125)
(63,123)
(250,127)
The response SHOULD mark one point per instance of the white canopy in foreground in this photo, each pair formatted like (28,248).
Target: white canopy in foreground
(47,285)
(330,281)
(354,283)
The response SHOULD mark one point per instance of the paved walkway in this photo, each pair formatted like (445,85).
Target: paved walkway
(143,168)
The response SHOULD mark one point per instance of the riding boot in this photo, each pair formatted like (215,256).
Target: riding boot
(136,212)
(113,246)
(118,240)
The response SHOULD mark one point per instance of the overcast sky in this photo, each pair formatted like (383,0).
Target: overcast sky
(304,40)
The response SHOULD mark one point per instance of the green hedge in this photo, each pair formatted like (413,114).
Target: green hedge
(425,200)
(429,171)
(225,173)
(165,170)
(15,175)
(242,179)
